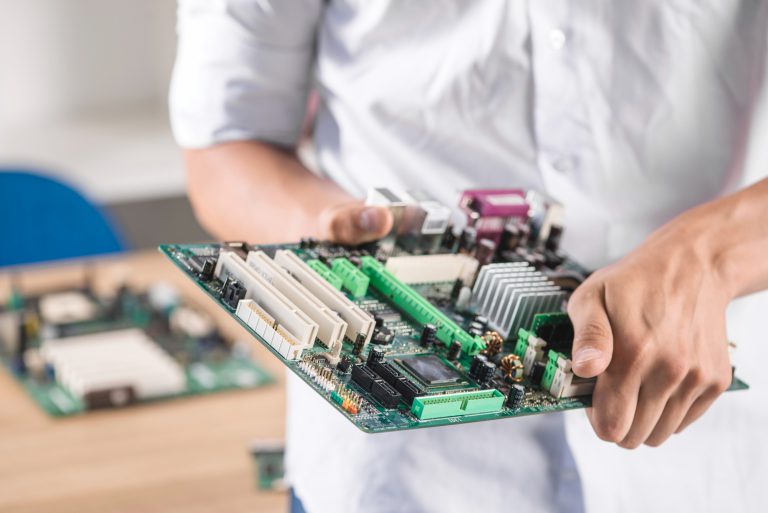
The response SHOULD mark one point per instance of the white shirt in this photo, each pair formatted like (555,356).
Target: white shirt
(626,111)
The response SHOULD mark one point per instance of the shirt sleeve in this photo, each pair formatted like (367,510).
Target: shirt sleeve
(243,70)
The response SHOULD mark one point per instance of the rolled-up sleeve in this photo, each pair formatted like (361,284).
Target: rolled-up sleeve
(243,70)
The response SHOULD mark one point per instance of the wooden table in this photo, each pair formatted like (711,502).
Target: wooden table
(181,455)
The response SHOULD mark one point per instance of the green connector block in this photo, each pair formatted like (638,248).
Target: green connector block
(458,404)
(336,398)
(418,308)
(543,319)
(522,343)
(325,272)
(550,369)
(352,278)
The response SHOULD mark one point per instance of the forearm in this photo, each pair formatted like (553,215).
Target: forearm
(257,192)
(733,231)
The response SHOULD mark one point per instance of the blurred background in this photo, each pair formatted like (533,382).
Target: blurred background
(83,96)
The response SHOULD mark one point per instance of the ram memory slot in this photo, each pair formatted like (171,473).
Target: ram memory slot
(418,308)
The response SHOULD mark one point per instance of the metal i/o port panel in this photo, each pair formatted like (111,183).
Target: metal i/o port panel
(460,403)
(418,308)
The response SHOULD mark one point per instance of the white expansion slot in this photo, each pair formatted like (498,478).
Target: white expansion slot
(267,328)
(358,321)
(331,327)
(433,268)
(290,318)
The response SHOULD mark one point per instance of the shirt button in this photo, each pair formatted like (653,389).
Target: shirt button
(565,165)
(557,39)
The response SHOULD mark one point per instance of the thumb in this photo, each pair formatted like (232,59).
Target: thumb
(356,223)
(592,335)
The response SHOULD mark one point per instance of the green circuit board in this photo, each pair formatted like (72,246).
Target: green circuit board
(205,363)
(411,380)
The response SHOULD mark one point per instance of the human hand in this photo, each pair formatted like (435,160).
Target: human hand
(354,223)
(651,327)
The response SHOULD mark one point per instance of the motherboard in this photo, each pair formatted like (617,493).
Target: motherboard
(432,325)
(75,350)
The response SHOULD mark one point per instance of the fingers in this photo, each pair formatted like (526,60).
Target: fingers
(593,338)
(355,223)
(650,407)
(665,378)
(712,392)
(614,399)
(698,408)
(677,407)
(614,402)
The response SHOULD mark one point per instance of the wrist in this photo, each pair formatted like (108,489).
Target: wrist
(726,236)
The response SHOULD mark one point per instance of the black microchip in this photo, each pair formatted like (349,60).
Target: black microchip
(431,370)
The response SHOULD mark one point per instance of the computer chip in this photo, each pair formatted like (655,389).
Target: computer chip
(431,370)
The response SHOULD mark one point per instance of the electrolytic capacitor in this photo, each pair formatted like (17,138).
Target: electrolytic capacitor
(375,355)
(428,335)
(515,397)
(485,372)
(477,362)
(454,351)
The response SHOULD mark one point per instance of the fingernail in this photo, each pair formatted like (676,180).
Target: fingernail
(370,219)
(586,354)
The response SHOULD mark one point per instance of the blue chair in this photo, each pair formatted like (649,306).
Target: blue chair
(42,220)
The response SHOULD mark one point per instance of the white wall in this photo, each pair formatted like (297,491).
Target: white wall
(69,57)
(83,87)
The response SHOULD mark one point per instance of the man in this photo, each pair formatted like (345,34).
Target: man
(631,113)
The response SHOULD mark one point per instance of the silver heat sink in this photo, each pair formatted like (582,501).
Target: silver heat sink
(510,294)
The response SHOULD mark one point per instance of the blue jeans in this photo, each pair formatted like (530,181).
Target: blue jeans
(296,506)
